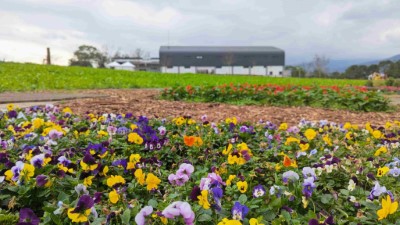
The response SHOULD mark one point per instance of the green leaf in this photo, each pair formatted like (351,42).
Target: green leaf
(153,203)
(126,216)
(242,198)
(326,198)
(204,217)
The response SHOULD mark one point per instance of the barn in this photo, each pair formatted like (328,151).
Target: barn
(244,60)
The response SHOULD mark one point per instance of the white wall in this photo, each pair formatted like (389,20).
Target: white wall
(241,70)
(275,70)
(205,69)
(191,69)
(224,70)
(258,70)
(174,69)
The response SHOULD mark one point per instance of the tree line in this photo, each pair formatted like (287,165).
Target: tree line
(318,67)
(90,56)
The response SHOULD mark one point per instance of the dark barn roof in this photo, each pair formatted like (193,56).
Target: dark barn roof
(219,56)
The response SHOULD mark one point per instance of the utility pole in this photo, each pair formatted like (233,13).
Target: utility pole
(48,60)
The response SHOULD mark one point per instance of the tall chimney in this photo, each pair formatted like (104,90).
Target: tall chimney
(48,57)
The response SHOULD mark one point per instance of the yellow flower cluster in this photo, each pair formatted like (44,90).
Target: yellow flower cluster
(135,138)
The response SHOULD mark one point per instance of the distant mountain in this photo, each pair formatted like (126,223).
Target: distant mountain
(342,64)
(394,58)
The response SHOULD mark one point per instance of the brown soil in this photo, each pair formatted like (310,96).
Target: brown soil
(145,102)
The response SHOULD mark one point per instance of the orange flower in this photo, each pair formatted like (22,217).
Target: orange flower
(189,140)
(192,141)
(286,161)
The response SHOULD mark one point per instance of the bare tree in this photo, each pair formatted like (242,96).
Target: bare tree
(320,65)
(139,53)
(229,59)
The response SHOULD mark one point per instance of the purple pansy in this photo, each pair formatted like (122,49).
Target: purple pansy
(28,217)
(239,211)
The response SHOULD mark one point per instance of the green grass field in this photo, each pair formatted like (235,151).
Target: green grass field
(31,77)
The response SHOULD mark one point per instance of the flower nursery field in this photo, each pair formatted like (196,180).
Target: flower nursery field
(61,168)
(32,77)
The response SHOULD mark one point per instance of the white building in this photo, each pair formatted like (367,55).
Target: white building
(266,61)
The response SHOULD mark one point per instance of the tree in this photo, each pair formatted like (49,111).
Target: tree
(139,53)
(320,66)
(88,56)
(356,72)
(384,66)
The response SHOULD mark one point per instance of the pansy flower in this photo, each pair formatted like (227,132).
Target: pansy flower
(88,163)
(242,186)
(239,211)
(258,191)
(28,217)
(203,199)
(82,209)
(152,181)
(140,218)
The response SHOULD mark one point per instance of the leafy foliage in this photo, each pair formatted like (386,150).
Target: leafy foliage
(351,98)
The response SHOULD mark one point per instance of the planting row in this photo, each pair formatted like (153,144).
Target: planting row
(351,98)
(59,168)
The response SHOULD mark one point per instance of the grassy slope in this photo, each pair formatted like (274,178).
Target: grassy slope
(28,77)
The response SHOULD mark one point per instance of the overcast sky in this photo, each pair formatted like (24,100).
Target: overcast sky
(338,29)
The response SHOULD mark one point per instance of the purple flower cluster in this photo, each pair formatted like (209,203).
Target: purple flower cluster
(182,175)
(179,208)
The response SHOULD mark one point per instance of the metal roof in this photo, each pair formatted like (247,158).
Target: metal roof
(219,49)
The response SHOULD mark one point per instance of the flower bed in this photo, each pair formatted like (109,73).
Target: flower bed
(352,98)
(58,168)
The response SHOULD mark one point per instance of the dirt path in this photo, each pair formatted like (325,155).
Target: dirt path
(144,102)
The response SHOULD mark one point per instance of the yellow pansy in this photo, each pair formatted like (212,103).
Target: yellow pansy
(102,133)
(179,121)
(304,147)
(10,107)
(37,123)
(135,138)
(228,149)
(78,217)
(347,126)
(133,159)
(113,180)
(152,181)
(327,140)
(225,221)
(231,120)
(388,207)
(381,150)
(283,126)
(203,199)
(67,110)
(133,126)
(242,186)
(140,176)
(382,171)
(310,134)
(88,167)
(377,134)
(113,196)
(88,181)
(229,180)
(9,174)
(254,221)
(28,171)
(290,140)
